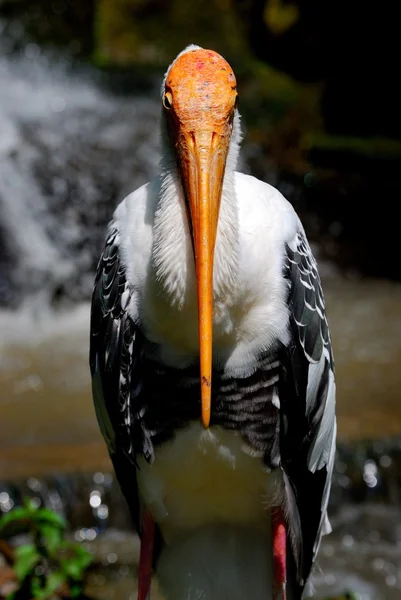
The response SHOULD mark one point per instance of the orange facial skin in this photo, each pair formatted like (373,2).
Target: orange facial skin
(199,99)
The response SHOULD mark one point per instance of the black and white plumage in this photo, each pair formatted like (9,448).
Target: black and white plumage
(272,430)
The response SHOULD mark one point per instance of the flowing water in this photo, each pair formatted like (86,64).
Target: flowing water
(70,149)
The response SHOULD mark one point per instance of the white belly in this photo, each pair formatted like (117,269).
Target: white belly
(205,477)
(211,500)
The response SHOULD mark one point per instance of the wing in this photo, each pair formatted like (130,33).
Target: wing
(307,406)
(116,348)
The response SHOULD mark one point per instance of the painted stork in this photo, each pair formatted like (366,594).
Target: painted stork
(213,377)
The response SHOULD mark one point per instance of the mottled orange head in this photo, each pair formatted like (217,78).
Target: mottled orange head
(199,100)
(201,90)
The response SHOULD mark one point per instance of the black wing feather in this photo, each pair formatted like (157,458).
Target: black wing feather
(116,348)
(307,406)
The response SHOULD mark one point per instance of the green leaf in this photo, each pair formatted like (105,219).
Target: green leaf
(84,557)
(52,583)
(72,569)
(25,550)
(36,587)
(15,516)
(52,537)
(26,558)
(78,553)
(44,515)
(77,562)
(76,590)
(11,596)
(54,580)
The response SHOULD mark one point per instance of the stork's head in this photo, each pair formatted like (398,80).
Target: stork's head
(199,100)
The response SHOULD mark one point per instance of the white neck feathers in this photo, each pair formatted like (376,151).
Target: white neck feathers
(172,254)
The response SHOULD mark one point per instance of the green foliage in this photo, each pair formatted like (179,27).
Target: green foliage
(52,583)
(26,559)
(23,518)
(50,561)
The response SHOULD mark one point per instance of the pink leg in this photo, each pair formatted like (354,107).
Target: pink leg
(279,535)
(146,556)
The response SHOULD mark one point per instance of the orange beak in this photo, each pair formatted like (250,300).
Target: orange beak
(202,160)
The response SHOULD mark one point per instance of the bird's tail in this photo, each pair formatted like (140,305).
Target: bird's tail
(218,562)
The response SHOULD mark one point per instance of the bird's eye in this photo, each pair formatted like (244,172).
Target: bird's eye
(168,100)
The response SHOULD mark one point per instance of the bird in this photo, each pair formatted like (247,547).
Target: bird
(211,360)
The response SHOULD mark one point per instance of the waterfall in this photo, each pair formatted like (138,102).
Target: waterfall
(70,150)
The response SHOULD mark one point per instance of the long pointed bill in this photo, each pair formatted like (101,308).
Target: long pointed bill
(202,163)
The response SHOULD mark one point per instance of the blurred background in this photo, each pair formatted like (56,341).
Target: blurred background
(79,110)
